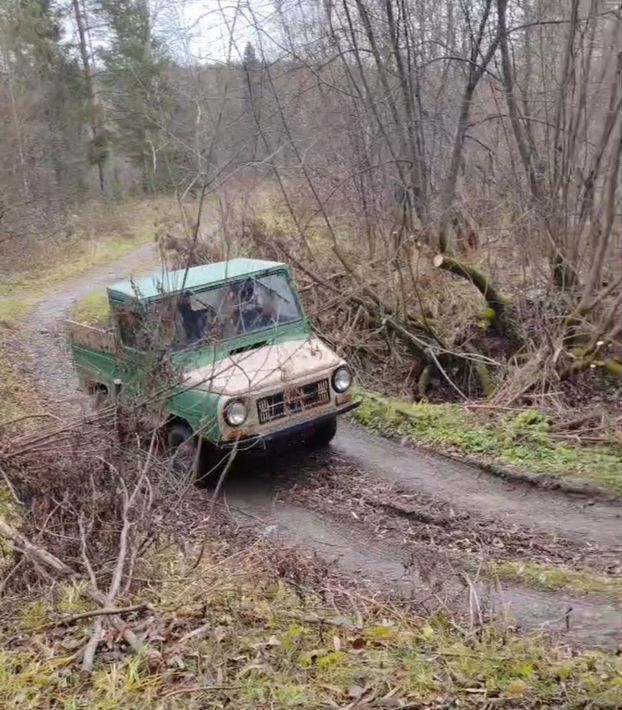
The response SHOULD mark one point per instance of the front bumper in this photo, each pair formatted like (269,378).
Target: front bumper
(262,441)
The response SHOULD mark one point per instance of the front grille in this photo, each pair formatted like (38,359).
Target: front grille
(292,401)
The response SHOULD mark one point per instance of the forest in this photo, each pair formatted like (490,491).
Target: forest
(452,169)
(444,179)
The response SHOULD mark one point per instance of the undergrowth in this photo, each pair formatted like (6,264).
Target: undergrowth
(233,632)
(520,441)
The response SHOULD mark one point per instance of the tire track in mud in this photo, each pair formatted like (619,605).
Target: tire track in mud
(331,503)
(573,516)
(311,503)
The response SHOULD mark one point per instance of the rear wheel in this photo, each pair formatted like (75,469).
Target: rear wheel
(99,394)
(324,433)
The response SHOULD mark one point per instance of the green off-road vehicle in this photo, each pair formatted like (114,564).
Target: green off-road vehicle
(244,367)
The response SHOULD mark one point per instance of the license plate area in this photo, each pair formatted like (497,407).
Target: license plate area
(293,400)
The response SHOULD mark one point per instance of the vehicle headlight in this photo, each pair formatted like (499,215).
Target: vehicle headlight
(235,412)
(342,379)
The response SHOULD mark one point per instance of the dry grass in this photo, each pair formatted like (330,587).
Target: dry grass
(93,309)
(100,233)
(10,390)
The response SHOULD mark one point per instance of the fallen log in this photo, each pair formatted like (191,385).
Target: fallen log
(33,552)
(587,361)
(493,298)
(498,313)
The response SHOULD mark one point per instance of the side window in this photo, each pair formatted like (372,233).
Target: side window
(155,325)
(130,326)
(161,327)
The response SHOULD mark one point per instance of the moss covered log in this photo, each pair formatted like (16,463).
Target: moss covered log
(493,297)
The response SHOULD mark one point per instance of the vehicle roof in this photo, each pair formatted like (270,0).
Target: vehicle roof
(160,283)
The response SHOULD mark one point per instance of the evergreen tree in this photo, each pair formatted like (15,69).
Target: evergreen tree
(250,57)
(43,97)
(135,64)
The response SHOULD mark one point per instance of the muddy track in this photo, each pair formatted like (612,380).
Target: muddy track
(403,520)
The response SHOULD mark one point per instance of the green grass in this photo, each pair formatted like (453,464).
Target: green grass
(555,578)
(522,441)
(267,645)
(10,390)
(12,310)
(92,309)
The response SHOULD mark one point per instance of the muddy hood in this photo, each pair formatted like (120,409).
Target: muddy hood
(268,367)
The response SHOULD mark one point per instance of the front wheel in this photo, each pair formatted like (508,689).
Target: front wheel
(324,433)
(182,444)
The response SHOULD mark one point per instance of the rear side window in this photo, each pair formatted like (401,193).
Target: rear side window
(131,326)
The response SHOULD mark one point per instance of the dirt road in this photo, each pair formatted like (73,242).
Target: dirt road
(405,521)
(49,360)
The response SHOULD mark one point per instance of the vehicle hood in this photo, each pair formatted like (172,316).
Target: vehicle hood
(268,367)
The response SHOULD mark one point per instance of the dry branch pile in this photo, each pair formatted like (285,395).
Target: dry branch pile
(89,500)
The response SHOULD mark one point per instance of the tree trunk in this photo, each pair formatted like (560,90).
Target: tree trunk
(95,129)
(17,126)
(476,71)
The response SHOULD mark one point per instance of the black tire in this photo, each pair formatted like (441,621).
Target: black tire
(100,397)
(180,442)
(179,435)
(324,434)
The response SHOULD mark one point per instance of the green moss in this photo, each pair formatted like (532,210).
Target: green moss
(487,318)
(555,578)
(613,367)
(522,441)
(443,425)
(93,309)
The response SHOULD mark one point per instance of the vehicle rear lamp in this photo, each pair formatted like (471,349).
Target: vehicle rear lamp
(235,412)
(342,379)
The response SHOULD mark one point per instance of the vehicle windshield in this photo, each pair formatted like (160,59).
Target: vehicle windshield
(238,308)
